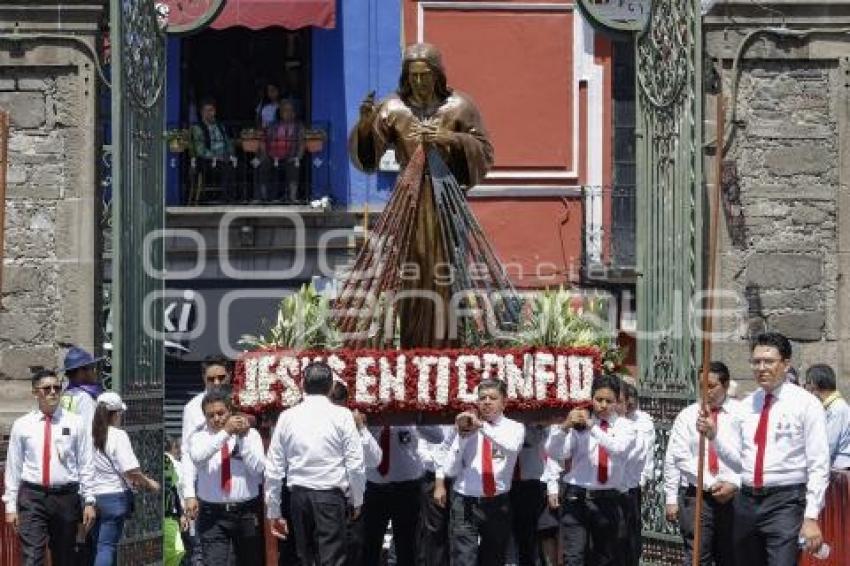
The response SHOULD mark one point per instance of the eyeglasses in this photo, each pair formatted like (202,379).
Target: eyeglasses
(767,362)
(50,388)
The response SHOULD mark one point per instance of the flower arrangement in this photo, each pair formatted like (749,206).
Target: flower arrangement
(560,345)
(177,140)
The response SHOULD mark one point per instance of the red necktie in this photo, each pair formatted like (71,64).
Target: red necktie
(384,466)
(45,454)
(713,463)
(602,458)
(761,441)
(488,481)
(225,468)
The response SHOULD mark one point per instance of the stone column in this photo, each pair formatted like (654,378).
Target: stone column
(51,289)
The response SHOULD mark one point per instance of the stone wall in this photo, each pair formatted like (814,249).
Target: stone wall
(51,263)
(784,180)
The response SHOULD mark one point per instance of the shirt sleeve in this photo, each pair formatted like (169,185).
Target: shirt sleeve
(556,445)
(551,475)
(673,459)
(275,470)
(85,453)
(372,452)
(620,443)
(12,474)
(441,454)
(729,446)
(251,446)
(187,466)
(204,445)
(354,463)
(125,458)
(817,459)
(452,460)
(648,471)
(507,437)
(834,428)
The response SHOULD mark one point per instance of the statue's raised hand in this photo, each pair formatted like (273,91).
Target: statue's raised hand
(367,113)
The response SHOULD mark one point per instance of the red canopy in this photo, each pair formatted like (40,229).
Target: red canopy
(291,14)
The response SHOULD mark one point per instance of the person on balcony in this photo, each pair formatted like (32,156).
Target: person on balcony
(280,167)
(212,149)
(268,107)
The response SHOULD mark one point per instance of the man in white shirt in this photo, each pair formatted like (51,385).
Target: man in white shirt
(821,382)
(216,374)
(393,494)
(317,449)
(720,480)
(640,466)
(229,462)
(482,460)
(597,445)
(781,446)
(433,534)
(528,495)
(48,468)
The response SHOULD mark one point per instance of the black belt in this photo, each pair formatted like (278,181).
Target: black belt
(235,507)
(691,491)
(769,490)
(484,499)
(584,493)
(63,489)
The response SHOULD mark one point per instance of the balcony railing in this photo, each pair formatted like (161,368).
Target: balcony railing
(610,235)
(251,173)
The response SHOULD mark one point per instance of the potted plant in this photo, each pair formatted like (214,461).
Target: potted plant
(178,140)
(314,139)
(251,140)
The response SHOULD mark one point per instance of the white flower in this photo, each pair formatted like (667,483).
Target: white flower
(363,381)
(543,374)
(463,391)
(425,363)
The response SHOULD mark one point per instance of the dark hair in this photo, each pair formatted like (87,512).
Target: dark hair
(100,426)
(207,101)
(497,384)
(318,378)
(822,377)
(441,89)
(37,373)
(215,360)
(604,381)
(266,98)
(628,390)
(339,392)
(721,370)
(217,396)
(775,340)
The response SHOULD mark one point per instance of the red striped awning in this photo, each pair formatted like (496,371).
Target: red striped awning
(290,14)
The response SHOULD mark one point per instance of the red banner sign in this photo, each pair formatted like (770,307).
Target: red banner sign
(428,381)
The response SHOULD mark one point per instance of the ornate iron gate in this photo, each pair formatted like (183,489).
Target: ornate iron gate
(670,193)
(138,171)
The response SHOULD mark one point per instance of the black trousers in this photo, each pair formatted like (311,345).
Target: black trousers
(320,525)
(238,525)
(474,518)
(767,526)
(631,515)
(48,518)
(717,520)
(286,554)
(593,529)
(528,499)
(433,540)
(396,501)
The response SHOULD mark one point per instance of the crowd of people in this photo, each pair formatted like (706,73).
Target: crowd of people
(476,492)
(271,169)
(71,472)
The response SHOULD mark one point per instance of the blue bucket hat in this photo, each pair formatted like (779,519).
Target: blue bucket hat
(78,358)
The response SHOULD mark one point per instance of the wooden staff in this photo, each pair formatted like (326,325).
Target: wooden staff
(708,325)
(4,161)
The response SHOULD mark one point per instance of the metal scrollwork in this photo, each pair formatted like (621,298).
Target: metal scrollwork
(143,51)
(663,52)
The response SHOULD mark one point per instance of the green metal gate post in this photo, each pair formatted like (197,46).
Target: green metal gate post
(670,250)
(138,175)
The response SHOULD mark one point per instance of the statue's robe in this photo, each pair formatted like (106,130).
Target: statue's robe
(468,159)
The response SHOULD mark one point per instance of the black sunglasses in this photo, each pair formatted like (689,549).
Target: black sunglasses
(47,388)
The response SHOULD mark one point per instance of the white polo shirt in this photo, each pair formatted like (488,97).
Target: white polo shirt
(117,458)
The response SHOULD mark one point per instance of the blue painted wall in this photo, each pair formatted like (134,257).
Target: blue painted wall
(363,53)
(172,119)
